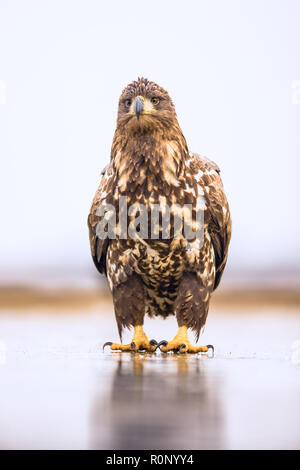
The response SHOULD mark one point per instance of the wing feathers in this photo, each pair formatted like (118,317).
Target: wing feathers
(218,213)
(99,246)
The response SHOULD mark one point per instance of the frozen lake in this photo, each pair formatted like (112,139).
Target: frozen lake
(59,390)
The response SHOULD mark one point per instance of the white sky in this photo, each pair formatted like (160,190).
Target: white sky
(233,71)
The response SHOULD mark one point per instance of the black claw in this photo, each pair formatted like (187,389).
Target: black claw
(162,343)
(182,346)
(210,346)
(133,346)
(153,342)
(106,344)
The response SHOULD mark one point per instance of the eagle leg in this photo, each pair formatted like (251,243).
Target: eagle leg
(181,344)
(129,303)
(190,308)
(139,342)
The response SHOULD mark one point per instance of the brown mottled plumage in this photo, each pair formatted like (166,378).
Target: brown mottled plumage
(151,164)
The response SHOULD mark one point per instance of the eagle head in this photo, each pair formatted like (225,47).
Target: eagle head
(144,107)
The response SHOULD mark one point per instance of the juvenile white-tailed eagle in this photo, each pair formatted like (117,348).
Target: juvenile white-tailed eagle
(158,275)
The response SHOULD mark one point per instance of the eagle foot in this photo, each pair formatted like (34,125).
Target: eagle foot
(181,344)
(139,343)
(181,348)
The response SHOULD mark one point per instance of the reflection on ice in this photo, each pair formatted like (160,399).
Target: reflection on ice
(158,403)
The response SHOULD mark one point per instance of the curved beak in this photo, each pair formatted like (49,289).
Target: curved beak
(138,106)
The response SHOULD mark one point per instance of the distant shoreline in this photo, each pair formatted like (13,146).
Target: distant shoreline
(24,297)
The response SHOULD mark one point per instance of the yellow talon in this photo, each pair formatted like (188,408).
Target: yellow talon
(181,343)
(139,342)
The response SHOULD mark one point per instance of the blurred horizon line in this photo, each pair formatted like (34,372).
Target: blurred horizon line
(33,298)
(83,288)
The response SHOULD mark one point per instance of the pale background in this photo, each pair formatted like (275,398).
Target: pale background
(233,71)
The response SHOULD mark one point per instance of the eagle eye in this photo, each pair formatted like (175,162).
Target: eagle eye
(128,103)
(154,100)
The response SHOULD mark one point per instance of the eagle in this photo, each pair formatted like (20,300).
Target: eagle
(164,272)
